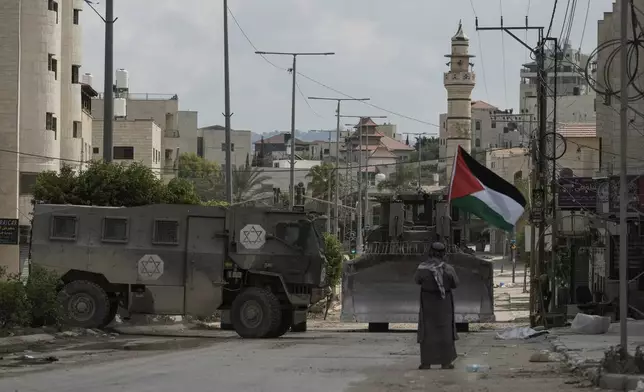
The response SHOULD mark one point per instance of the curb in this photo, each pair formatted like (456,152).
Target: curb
(592,371)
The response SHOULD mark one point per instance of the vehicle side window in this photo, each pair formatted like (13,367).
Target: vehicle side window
(64,227)
(115,229)
(166,232)
(288,232)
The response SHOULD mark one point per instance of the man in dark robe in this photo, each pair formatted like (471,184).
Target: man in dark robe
(436,326)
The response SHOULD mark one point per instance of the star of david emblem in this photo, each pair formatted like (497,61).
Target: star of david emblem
(252,236)
(150,267)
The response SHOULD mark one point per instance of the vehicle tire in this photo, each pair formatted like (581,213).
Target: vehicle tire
(463,327)
(379,327)
(256,313)
(285,325)
(84,304)
(301,327)
(114,308)
(227,327)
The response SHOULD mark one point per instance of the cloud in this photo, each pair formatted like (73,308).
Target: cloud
(390,51)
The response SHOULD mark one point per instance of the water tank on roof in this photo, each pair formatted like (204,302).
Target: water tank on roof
(88,78)
(122,79)
(120,108)
(380,177)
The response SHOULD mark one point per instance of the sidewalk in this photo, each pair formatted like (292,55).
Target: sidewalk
(511,304)
(584,353)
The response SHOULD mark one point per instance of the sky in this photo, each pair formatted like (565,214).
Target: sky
(391,51)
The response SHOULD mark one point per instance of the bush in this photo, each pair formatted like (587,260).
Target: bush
(33,304)
(333,254)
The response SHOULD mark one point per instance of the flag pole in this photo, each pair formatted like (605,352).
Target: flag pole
(449,193)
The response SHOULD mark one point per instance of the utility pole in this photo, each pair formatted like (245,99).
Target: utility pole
(623,183)
(293,71)
(554,185)
(336,227)
(363,205)
(228,114)
(108,87)
(538,214)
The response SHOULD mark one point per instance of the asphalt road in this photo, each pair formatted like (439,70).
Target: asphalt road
(313,362)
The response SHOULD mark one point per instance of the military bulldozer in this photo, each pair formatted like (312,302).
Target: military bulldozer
(261,268)
(378,286)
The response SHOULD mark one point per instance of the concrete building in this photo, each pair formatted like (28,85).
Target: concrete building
(459,82)
(491,128)
(133,141)
(608,105)
(40,101)
(575,97)
(211,145)
(180,129)
(509,163)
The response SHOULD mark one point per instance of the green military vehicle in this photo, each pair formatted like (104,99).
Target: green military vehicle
(262,268)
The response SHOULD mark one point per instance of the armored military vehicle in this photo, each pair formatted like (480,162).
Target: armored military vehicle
(263,268)
(378,286)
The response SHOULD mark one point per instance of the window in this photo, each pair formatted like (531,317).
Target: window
(63,227)
(223,146)
(165,232)
(52,65)
(493,124)
(115,230)
(478,125)
(123,152)
(49,121)
(95,150)
(76,16)
(288,232)
(77,129)
(27,183)
(53,6)
(75,74)
(477,142)
(200,146)
(492,164)
(168,154)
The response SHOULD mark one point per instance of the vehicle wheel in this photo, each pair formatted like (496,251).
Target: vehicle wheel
(285,325)
(85,304)
(463,327)
(256,313)
(114,308)
(379,327)
(227,327)
(301,327)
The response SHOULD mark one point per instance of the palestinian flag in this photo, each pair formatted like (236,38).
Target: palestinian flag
(479,191)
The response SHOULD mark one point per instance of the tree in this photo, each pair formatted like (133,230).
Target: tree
(111,184)
(428,146)
(404,178)
(247,182)
(206,176)
(322,181)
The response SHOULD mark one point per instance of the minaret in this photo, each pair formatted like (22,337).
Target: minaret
(459,83)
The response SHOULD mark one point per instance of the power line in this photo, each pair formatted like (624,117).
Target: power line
(478,33)
(398,114)
(552,18)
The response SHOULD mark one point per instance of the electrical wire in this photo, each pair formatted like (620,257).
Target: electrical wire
(392,112)
(479,41)
(552,18)
(505,78)
(583,31)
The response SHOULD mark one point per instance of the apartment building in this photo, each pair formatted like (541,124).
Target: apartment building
(41,95)
(139,140)
(179,128)
(211,145)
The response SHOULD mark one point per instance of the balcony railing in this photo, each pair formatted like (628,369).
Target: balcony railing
(172,133)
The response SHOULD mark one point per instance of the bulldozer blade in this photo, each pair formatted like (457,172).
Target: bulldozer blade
(380,288)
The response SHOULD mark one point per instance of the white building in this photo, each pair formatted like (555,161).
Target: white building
(40,100)
(133,141)
(575,97)
(459,82)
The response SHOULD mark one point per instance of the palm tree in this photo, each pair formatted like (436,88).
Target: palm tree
(322,181)
(404,178)
(247,182)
